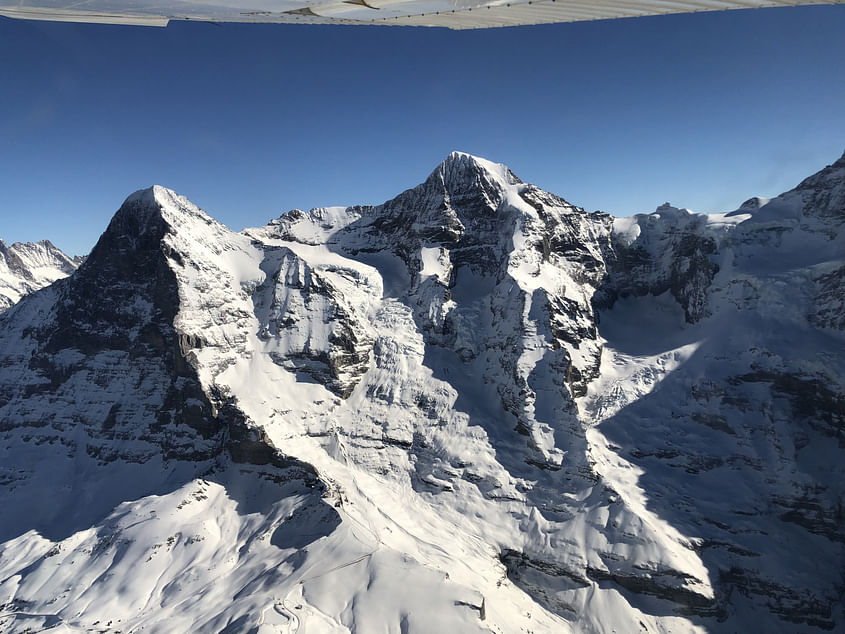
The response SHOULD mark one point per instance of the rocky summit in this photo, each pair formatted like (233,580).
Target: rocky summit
(474,408)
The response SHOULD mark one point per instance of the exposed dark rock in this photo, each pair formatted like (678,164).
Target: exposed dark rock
(829,304)
(798,607)
(663,584)
(678,258)
(813,399)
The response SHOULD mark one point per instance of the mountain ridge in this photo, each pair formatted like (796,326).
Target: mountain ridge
(29,266)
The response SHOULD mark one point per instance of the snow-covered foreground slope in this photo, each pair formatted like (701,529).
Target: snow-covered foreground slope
(473,408)
(26,267)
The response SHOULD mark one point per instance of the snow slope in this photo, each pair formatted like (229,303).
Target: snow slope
(473,408)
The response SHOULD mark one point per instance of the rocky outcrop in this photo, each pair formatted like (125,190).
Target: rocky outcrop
(823,194)
(315,328)
(673,251)
(828,307)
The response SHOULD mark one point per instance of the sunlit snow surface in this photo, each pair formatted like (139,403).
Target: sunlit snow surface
(483,448)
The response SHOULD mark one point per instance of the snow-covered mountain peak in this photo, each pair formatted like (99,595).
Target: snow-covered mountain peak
(158,220)
(463,176)
(28,266)
(154,194)
(146,195)
(669,213)
(42,252)
(148,205)
(465,199)
(460,167)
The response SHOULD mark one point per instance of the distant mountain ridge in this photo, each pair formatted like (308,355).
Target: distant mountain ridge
(28,266)
(474,408)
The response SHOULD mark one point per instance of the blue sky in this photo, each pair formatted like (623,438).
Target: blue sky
(248,121)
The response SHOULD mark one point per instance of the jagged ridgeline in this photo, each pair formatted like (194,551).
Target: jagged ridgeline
(474,408)
(26,267)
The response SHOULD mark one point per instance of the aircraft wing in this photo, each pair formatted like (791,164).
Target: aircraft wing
(453,14)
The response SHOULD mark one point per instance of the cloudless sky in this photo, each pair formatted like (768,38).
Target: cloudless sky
(703,110)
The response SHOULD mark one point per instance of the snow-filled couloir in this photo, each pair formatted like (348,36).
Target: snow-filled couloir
(475,407)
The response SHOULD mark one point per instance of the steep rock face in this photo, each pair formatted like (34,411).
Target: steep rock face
(671,251)
(310,317)
(118,312)
(26,267)
(749,424)
(828,307)
(119,306)
(823,193)
(104,426)
(823,196)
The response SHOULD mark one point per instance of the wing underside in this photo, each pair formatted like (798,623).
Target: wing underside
(453,14)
